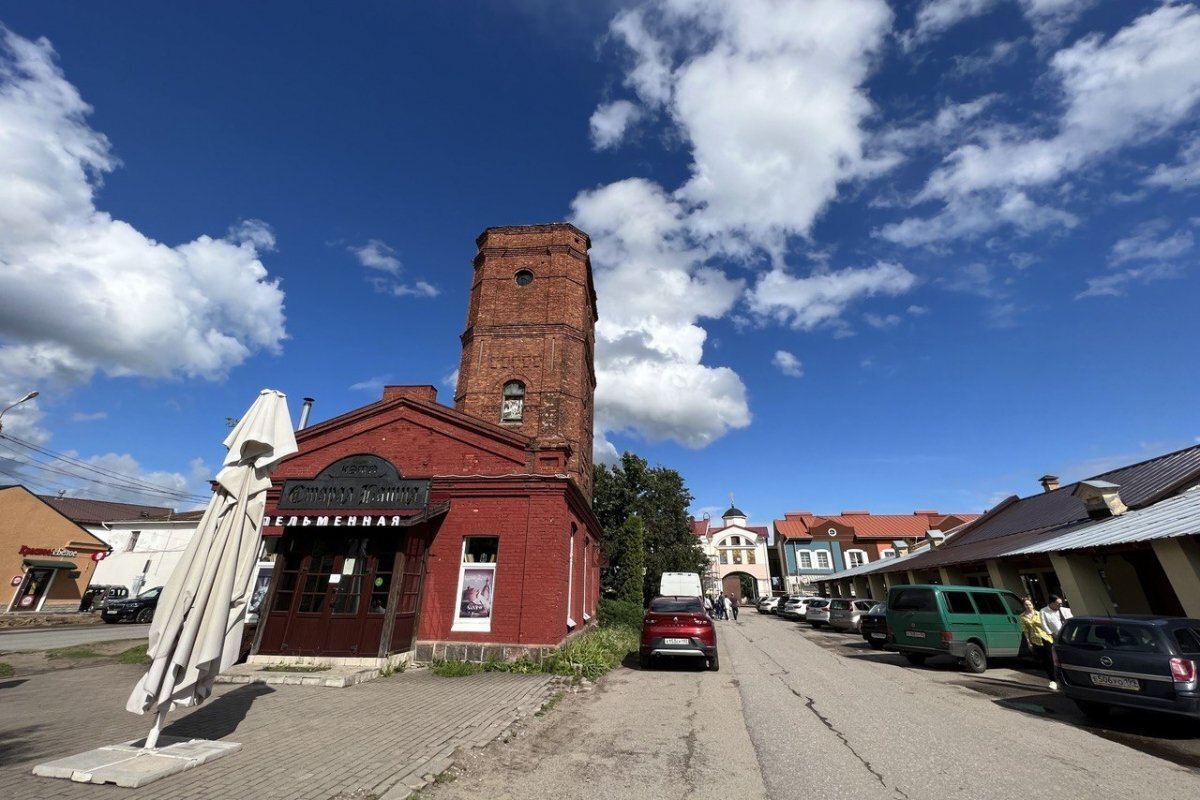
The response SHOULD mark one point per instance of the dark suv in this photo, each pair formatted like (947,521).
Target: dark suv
(135,609)
(1147,663)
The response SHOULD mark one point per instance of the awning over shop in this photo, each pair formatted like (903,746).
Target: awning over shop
(46,563)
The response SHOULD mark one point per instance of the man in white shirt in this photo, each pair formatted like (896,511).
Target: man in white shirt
(1054,615)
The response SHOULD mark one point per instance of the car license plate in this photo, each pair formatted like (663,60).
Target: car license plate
(878,635)
(677,641)
(915,634)
(1112,681)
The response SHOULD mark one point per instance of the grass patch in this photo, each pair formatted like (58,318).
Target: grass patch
(455,669)
(549,705)
(134,655)
(6,670)
(443,778)
(294,668)
(74,651)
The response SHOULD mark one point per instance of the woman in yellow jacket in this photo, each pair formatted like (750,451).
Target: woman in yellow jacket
(1040,640)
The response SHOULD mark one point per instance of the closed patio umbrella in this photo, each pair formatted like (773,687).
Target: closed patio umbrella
(197,628)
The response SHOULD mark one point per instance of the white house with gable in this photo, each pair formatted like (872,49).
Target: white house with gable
(737,556)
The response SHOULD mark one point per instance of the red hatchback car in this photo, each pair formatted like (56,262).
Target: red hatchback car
(678,626)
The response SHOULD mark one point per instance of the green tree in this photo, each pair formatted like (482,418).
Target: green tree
(660,499)
(630,560)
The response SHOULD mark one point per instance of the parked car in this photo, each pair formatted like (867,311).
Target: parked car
(134,609)
(970,623)
(873,626)
(97,596)
(795,607)
(844,615)
(675,627)
(768,605)
(816,613)
(1145,663)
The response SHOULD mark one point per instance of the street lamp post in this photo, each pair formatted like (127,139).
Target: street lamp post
(29,396)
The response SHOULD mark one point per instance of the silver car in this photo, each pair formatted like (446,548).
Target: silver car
(816,612)
(846,615)
(795,607)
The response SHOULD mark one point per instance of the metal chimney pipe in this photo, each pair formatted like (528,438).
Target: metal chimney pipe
(304,410)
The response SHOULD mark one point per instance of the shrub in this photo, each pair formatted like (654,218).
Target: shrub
(620,613)
(592,654)
(6,670)
(455,669)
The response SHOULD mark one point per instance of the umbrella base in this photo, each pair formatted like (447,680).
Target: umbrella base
(129,766)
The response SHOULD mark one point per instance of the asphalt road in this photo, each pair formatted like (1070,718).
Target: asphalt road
(19,641)
(796,713)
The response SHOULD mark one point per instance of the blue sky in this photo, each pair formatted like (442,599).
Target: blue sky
(848,254)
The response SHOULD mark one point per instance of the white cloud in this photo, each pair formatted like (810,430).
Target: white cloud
(882,321)
(380,256)
(1148,244)
(610,121)
(1052,18)
(1185,174)
(808,302)
(1114,284)
(935,17)
(949,120)
(81,416)
(1118,92)
(373,384)
(998,53)
(81,292)
(788,364)
(767,95)
(376,254)
(918,311)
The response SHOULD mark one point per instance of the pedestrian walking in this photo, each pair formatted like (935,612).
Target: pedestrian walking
(1055,615)
(728,606)
(1040,640)
(708,605)
(733,605)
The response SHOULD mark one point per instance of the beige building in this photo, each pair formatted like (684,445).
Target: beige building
(45,558)
(737,556)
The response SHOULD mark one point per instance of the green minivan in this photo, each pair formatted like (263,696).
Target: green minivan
(970,623)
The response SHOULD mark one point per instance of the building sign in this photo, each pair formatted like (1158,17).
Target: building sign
(356,482)
(62,552)
(338,521)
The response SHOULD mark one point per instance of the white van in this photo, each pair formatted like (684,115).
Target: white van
(680,584)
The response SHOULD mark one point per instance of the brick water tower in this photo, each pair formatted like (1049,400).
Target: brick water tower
(527,351)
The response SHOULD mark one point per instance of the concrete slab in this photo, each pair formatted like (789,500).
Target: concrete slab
(129,766)
(335,677)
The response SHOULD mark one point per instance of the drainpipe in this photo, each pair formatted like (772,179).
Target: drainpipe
(304,411)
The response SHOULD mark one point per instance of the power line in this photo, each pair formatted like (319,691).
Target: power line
(78,470)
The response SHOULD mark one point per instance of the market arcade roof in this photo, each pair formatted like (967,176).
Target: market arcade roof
(1058,520)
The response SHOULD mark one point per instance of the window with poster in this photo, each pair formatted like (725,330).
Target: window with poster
(476,584)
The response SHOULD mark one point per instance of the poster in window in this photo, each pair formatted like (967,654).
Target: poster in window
(476,600)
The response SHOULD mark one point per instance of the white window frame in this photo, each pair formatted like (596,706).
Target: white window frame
(800,561)
(850,558)
(586,562)
(817,559)
(571,578)
(887,552)
(470,623)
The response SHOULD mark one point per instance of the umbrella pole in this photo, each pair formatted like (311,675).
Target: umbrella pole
(152,737)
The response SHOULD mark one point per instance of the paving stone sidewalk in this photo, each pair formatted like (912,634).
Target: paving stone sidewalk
(382,737)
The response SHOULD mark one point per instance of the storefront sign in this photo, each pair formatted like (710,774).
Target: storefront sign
(356,482)
(343,521)
(63,552)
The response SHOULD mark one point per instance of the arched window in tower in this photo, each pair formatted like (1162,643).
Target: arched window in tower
(512,409)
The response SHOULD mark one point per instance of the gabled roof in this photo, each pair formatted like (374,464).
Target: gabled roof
(699,526)
(761,530)
(870,526)
(83,511)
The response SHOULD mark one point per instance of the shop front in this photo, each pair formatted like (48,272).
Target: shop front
(46,558)
(350,550)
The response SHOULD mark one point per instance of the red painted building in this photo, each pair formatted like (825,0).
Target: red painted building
(465,532)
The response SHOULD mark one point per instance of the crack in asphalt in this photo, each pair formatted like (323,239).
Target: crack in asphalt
(811,704)
(690,743)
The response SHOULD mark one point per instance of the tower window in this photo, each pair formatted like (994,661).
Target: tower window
(524,277)
(512,409)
